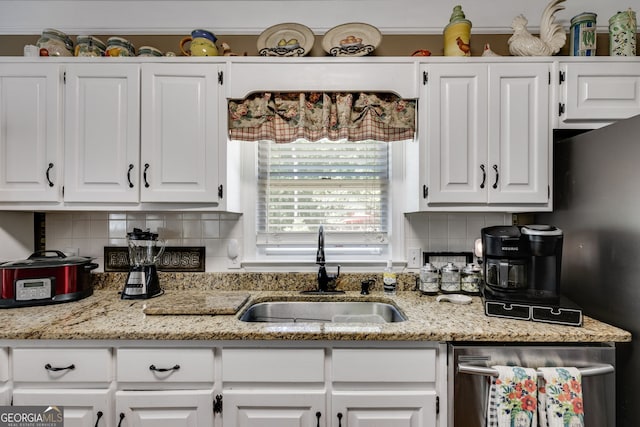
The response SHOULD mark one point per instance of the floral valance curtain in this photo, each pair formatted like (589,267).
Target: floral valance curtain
(286,117)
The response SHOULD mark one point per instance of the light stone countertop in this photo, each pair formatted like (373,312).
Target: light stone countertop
(104,316)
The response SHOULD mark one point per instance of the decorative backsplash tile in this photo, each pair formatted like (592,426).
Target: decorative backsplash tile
(87,233)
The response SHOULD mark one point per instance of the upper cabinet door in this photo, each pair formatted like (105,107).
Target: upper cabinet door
(456,129)
(519,135)
(179,130)
(30,133)
(596,94)
(102,133)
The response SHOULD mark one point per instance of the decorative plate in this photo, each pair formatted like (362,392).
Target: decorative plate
(352,39)
(288,39)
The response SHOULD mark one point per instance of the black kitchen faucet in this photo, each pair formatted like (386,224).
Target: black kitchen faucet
(324,279)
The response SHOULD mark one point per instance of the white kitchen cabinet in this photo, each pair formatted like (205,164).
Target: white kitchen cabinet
(31,137)
(180,133)
(82,407)
(595,94)
(384,387)
(102,133)
(164,408)
(274,408)
(384,408)
(486,143)
(170,387)
(77,378)
(268,387)
(364,386)
(5,387)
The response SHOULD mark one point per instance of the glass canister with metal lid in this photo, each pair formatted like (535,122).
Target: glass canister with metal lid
(55,42)
(450,278)
(470,279)
(429,279)
(89,46)
(117,46)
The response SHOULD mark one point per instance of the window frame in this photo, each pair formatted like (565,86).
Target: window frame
(302,256)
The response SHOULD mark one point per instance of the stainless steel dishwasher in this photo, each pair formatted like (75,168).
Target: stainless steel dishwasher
(470,376)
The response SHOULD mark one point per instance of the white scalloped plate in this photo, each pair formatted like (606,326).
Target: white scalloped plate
(289,39)
(352,39)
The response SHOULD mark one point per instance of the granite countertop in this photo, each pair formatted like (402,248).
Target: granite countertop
(104,316)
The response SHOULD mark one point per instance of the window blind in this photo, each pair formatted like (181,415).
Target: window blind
(342,185)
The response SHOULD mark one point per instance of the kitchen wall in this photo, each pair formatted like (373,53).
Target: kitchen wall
(89,232)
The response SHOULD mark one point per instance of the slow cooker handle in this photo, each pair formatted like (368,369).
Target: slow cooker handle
(40,254)
(91,266)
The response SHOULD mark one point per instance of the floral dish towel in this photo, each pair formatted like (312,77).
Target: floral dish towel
(513,399)
(560,395)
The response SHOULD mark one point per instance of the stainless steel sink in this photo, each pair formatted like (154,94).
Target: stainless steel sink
(323,311)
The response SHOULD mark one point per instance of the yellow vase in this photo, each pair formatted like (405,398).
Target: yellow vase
(457,34)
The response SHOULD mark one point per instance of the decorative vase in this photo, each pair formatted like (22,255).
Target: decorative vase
(622,34)
(457,34)
(583,34)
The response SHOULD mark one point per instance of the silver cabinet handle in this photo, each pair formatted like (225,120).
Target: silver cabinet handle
(589,371)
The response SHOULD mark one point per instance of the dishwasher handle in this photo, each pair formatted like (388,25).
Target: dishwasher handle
(589,371)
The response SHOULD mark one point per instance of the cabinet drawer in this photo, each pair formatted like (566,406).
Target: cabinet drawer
(384,365)
(165,365)
(62,365)
(273,365)
(4,364)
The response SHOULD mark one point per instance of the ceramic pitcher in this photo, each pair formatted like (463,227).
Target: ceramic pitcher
(202,43)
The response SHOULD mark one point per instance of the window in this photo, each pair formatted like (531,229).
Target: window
(338,184)
(321,159)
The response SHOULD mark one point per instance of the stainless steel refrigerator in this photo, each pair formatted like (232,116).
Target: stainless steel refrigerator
(597,205)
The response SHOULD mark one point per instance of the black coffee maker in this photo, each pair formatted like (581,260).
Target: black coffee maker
(522,263)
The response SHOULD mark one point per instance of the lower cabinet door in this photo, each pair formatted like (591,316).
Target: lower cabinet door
(82,407)
(5,394)
(270,408)
(164,408)
(384,409)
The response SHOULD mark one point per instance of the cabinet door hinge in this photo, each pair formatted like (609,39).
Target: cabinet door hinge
(64,77)
(437,404)
(63,191)
(561,77)
(560,109)
(548,192)
(220,191)
(220,77)
(549,78)
(425,77)
(425,191)
(217,404)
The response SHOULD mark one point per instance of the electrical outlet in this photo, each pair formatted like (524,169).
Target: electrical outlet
(415,258)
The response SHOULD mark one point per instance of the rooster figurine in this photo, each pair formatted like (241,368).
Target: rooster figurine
(552,36)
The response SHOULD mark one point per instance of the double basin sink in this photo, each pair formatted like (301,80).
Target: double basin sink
(322,311)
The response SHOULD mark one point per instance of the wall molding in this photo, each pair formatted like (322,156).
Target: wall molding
(248,17)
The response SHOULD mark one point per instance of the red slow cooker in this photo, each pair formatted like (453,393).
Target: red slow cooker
(46,277)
